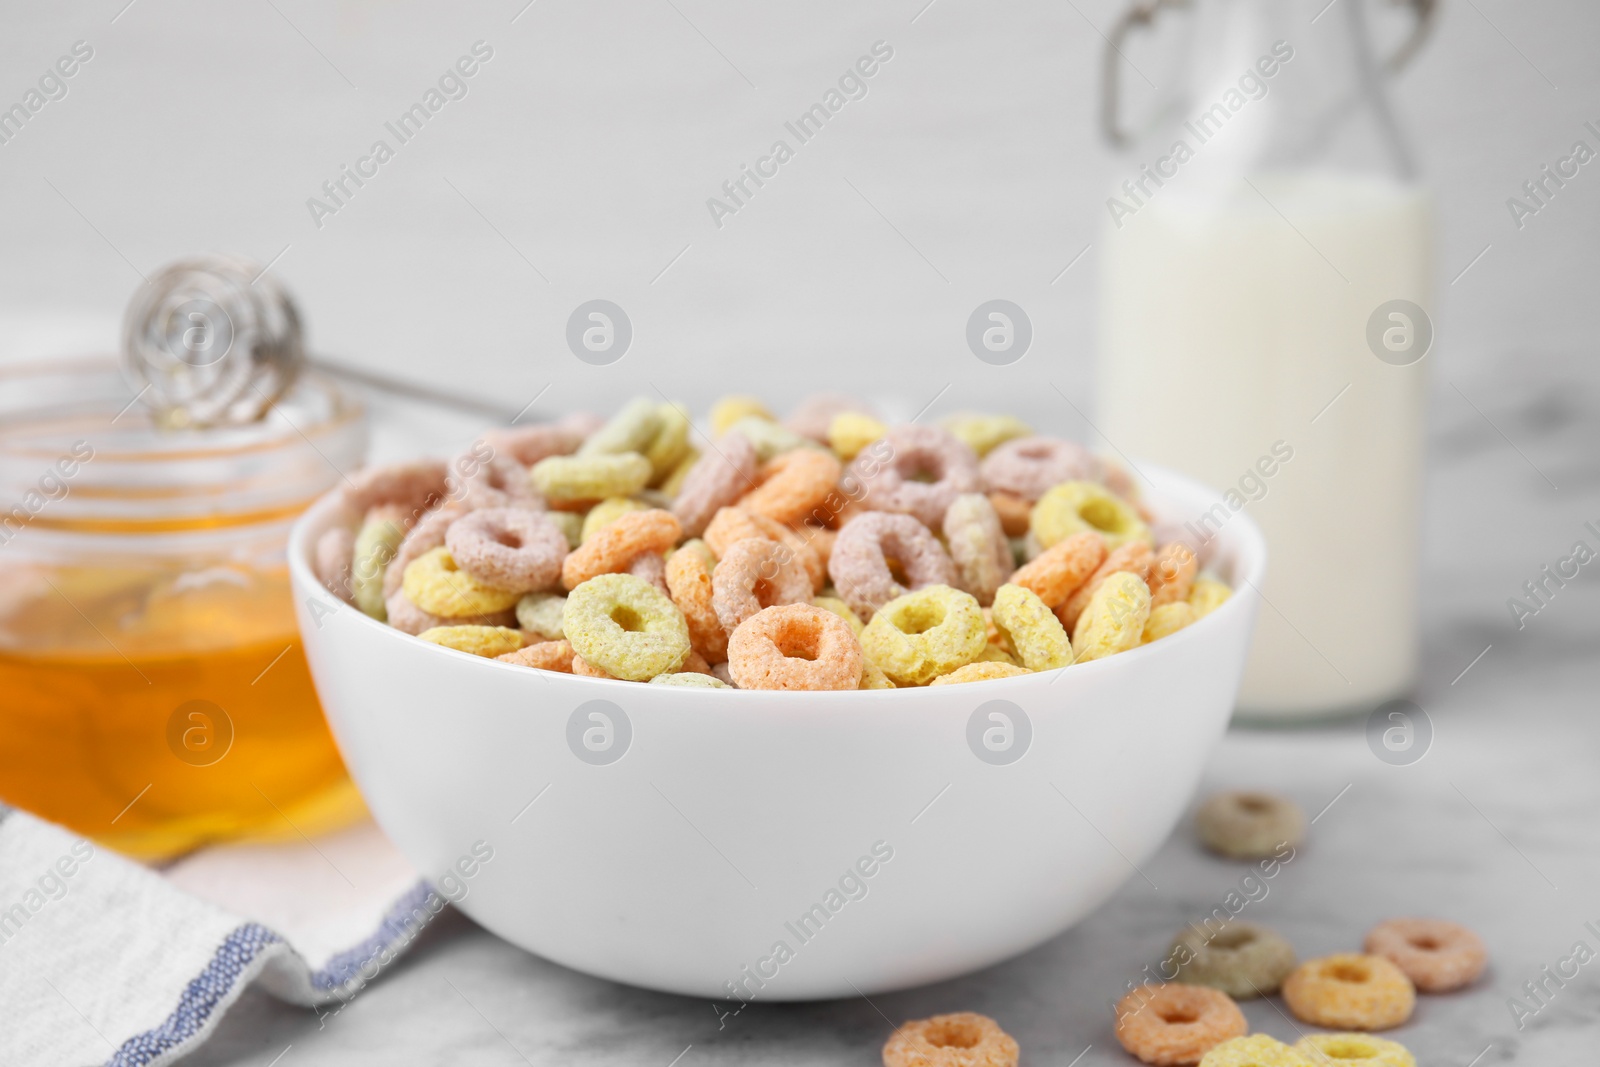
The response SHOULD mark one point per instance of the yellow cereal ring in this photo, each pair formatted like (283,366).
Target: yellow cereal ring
(567,478)
(376,546)
(1032,628)
(995,654)
(926,633)
(690,680)
(872,676)
(670,443)
(1207,595)
(435,584)
(1167,619)
(851,431)
(626,627)
(1115,618)
(1257,1050)
(981,433)
(769,438)
(540,614)
(730,409)
(674,481)
(841,609)
(1073,507)
(629,430)
(490,641)
(1354,1050)
(606,512)
(980,671)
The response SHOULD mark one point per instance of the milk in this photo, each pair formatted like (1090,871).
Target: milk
(1229,337)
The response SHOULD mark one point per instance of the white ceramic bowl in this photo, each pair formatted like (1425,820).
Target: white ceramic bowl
(860,831)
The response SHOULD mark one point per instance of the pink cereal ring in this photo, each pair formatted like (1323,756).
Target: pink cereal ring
(978,546)
(894,483)
(335,552)
(813,415)
(514,549)
(527,445)
(652,567)
(752,574)
(415,486)
(499,482)
(794,646)
(424,537)
(720,477)
(1030,466)
(859,565)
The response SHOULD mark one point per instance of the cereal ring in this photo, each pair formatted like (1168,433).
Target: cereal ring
(1176,1024)
(374,549)
(770,439)
(1350,992)
(977,545)
(508,548)
(964,1039)
(754,574)
(435,584)
(1172,574)
(841,609)
(917,452)
(498,482)
(730,409)
(1241,959)
(1114,619)
(527,445)
(631,429)
(689,680)
(626,627)
(815,414)
(995,654)
(540,614)
(794,646)
(860,568)
(1166,531)
(489,641)
(872,676)
(689,583)
(720,672)
(333,560)
(820,540)
(1060,570)
(1029,467)
(919,636)
(851,431)
(1249,825)
(1132,558)
(1257,1050)
(542,655)
(792,484)
(406,617)
(1073,507)
(427,535)
(734,524)
(1207,595)
(1436,955)
(605,513)
(611,549)
(980,671)
(1353,1050)
(718,478)
(672,484)
(984,433)
(415,486)
(670,443)
(1166,620)
(585,669)
(652,567)
(566,479)
(1032,631)
(1014,513)
(570,523)
(1116,478)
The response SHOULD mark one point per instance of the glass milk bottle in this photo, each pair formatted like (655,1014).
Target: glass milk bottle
(1267,259)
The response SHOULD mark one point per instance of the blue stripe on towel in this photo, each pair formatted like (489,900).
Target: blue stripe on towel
(398,927)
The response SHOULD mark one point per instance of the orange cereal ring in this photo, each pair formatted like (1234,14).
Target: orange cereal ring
(1172,574)
(508,548)
(753,574)
(736,524)
(794,646)
(819,538)
(728,525)
(1436,955)
(611,549)
(1349,991)
(980,671)
(689,584)
(1168,1025)
(964,1039)
(544,656)
(1014,513)
(721,476)
(1060,570)
(1132,557)
(792,484)
(584,668)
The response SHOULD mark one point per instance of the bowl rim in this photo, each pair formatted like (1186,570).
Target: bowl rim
(1244,536)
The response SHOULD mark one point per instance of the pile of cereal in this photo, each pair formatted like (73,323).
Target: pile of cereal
(827,551)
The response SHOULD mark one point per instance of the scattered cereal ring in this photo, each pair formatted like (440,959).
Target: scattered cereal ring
(652,567)
(1131,558)
(1174,1024)
(794,646)
(615,546)
(605,513)
(730,409)
(1207,595)
(1242,959)
(1060,570)
(921,635)
(984,433)
(1436,955)
(1353,1050)
(813,416)
(498,482)
(542,655)
(1014,513)
(963,1039)
(1249,825)
(574,478)
(375,548)
(1172,574)
(688,575)
(1166,620)
(980,671)
(1031,629)
(841,609)
(718,479)
(508,548)
(872,676)
(670,443)
(754,574)
(917,453)
(435,584)
(631,429)
(527,445)
(626,627)
(851,431)
(1029,467)
(859,565)
(333,559)
(1073,507)
(792,484)
(490,641)
(413,486)
(977,545)
(690,681)
(1350,992)
(1114,619)
(1257,1050)
(406,617)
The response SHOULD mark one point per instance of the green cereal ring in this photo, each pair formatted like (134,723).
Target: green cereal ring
(435,584)
(982,433)
(1033,629)
(1354,1050)
(1257,1050)
(1249,825)
(488,641)
(917,637)
(1073,507)
(1242,959)
(376,545)
(841,609)
(569,523)
(670,443)
(769,438)
(591,477)
(629,430)
(686,680)
(626,627)
(606,512)
(540,613)
(1114,619)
